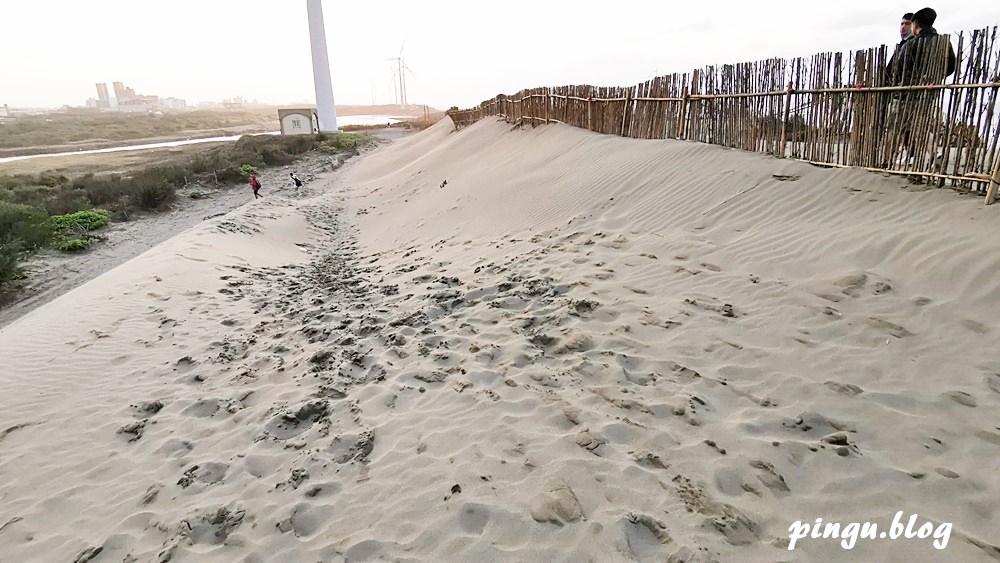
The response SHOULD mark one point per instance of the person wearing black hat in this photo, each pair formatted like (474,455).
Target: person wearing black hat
(915,65)
(926,58)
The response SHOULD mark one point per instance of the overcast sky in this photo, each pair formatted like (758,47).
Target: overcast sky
(52,52)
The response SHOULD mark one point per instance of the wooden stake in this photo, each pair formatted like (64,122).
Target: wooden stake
(590,113)
(784,123)
(625,113)
(991,192)
(547,91)
(682,116)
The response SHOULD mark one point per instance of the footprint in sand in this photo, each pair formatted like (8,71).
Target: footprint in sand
(976,327)
(212,527)
(844,388)
(305,520)
(890,327)
(644,535)
(556,504)
(591,441)
(993,382)
(962,398)
(770,478)
(206,473)
(473,518)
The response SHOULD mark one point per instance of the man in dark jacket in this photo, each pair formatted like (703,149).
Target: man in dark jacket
(925,59)
(921,58)
(905,34)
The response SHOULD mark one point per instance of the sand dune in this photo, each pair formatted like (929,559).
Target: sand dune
(520,345)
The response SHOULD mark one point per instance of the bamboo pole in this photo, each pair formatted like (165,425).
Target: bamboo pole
(991,192)
(784,123)
(590,114)
(547,104)
(682,115)
(625,114)
(979,179)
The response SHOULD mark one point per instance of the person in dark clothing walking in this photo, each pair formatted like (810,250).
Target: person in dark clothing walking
(923,59)
(888,104)
(905,34)
(255,185)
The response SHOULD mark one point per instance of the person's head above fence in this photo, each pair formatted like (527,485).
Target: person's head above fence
(923,19)
(906,26)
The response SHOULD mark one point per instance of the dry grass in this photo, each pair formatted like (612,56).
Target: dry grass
(91,129)
(112,162)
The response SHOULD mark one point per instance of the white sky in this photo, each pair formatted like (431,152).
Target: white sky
(52,52)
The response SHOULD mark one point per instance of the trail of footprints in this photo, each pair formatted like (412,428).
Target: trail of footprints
(344,321)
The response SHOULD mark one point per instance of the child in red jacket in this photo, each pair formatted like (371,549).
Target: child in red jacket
(255,186)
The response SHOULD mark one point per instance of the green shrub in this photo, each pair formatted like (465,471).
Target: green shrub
(174,175)
(11,255)
(153,196)
(300,144)
(23,230)
(65,200)
(195,194)
(81,221)
(103,191)
(247,170)
(25,225)
(276,157)
(74,245)
(343,141)
(229,174)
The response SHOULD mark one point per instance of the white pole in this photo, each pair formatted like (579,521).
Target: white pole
(325,109)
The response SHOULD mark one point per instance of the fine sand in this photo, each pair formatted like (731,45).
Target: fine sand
(53,273)
(533,345)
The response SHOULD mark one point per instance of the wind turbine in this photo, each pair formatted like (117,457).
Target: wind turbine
(400,72)
(326,111)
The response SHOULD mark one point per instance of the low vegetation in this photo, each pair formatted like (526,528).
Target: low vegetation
(89,126)
(342,141)
(51,211)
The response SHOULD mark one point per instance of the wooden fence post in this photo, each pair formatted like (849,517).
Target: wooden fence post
(590,112)
(682,116)
(991,192)
(784,123)
(547,90)
(625,112)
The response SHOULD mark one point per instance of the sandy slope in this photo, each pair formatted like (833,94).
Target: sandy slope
(528,345)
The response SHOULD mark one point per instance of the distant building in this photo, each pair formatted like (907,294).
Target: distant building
(103,99)
(120,92)
(4,111)
(173,104)
(125,94)
(142,104)
(235,103)
(298,121)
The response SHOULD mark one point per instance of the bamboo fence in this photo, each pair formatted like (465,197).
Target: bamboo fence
(831,109)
